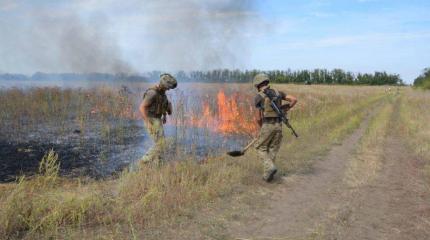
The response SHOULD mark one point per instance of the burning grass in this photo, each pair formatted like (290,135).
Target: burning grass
(134,201)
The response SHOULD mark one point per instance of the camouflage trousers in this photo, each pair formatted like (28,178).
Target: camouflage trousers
(156,132)
(267,146)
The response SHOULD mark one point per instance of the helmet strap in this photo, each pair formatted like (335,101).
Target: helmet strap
(161,88)
(262,88)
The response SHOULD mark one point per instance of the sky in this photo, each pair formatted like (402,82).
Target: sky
(146,35)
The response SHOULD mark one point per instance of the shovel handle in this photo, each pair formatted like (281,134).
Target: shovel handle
(249,145)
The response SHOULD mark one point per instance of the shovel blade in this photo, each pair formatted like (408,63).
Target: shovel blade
(235,153)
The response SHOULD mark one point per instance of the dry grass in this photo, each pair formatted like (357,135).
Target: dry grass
(369,153)
(23,111)
(415,116)
(45,203)
(32,209)
(325,116)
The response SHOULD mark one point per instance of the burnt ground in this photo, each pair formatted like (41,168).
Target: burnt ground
(97,152)
(23,158)
(89,153)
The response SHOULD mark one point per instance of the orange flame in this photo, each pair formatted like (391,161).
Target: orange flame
(232,114)
(229,117)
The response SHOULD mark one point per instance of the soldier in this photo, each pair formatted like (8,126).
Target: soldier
(270,136)
(154,109)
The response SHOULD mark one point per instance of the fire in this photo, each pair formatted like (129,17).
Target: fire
(224,114)
(227,116)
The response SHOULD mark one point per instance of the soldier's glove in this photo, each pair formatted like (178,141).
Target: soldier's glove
(149,126)
(260,122)
(286,107)
(169,108)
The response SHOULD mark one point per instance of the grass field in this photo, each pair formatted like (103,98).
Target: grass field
(414,111)
(50,206)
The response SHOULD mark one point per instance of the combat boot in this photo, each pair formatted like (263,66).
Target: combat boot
(269,176)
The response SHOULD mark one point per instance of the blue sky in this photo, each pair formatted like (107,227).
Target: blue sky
(355,35)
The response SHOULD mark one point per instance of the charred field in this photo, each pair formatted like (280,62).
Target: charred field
(97,132)
(82,154)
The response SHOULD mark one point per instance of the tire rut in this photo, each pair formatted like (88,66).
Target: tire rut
(299,206)
(395,205)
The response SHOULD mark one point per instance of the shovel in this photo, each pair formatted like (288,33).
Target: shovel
(241,152)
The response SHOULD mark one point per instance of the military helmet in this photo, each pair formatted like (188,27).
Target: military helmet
(168,81)
(260,78)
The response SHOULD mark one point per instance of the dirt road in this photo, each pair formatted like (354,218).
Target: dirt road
(395,204)
(368,187)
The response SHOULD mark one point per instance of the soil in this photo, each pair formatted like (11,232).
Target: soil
(394,205)
(321,205)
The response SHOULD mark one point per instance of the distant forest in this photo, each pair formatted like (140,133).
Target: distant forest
(317,76)
(423,81)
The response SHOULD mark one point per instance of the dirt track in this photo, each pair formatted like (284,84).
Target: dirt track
(393,205)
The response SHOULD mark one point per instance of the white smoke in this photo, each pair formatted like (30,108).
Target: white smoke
(108,36)
(198,35)
(83,46)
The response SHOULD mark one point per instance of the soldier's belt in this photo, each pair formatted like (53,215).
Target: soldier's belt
(155,115)
(272,120)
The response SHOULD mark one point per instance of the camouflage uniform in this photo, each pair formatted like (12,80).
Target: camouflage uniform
(268,144)
(159,107)
(155,128)
(270,136)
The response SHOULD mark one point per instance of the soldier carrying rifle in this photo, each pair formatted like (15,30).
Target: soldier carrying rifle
(269,103)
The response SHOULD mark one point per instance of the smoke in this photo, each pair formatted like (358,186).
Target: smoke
(79,46)
(196,35)
(106,36)
(61,43)
(87,48)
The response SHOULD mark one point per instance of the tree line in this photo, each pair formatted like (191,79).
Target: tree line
(317,76)
(423,81)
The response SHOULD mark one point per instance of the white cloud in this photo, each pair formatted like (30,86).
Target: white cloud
(350,40)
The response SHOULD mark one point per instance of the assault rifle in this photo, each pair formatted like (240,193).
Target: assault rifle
(273,99)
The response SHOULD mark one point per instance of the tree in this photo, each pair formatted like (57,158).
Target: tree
(423,81)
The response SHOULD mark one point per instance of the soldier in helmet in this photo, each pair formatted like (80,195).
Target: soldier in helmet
(154,109)
(270,136)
